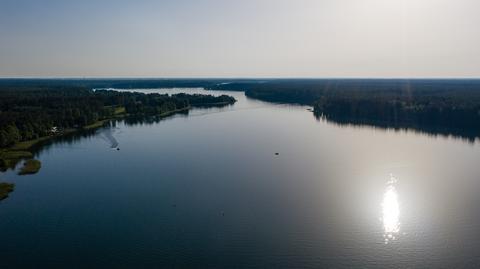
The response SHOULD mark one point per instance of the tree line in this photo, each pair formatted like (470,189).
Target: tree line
(31,112)
(440,104)
(434,106)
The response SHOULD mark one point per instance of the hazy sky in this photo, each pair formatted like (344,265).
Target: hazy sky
(247,38)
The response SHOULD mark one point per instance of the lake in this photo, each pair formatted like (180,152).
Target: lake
(208,190)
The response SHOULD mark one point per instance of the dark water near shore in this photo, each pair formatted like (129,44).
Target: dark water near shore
(206,190)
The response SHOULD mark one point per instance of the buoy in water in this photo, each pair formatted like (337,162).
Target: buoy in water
(118,148)
(276,153)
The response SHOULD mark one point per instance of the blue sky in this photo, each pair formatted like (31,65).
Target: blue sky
(249,38)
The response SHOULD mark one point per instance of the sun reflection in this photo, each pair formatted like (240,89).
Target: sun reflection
(390,211)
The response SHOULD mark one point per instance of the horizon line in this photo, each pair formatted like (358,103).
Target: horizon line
(239,78)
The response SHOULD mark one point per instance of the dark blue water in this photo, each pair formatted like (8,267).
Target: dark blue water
(206,190)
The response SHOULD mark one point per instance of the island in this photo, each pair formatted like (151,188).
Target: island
(31,166)
(5,189)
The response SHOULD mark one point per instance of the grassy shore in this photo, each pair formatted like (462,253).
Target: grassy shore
(169,113)
(9,154)
(27,145)
(21,149)
(95,125)
(213,104)
(9,158)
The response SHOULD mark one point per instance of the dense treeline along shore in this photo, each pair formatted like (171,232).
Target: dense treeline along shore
(30,114)
(435,106)
(447,107)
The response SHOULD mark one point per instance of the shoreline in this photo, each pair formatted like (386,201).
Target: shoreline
(28,144)
(12,155)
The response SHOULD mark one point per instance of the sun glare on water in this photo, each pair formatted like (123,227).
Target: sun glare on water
(390,211)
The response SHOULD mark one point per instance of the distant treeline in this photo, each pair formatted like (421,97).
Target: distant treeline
(20,84)
(29,112)
(433,106)
(442,115)
(308,91)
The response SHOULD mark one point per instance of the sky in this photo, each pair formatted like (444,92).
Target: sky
(248,38)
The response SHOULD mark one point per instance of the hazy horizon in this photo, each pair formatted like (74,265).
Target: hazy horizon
(234,78)
(249,39)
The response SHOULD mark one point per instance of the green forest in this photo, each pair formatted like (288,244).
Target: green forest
(448,106)
(32,112)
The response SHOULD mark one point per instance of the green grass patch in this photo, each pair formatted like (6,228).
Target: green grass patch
(120,110)
(26,145)
(15,154)
(95,125)
(172,112)
(10,158)
(30,167)
(5,189)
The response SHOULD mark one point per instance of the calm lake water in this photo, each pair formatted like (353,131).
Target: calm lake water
(206,190)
